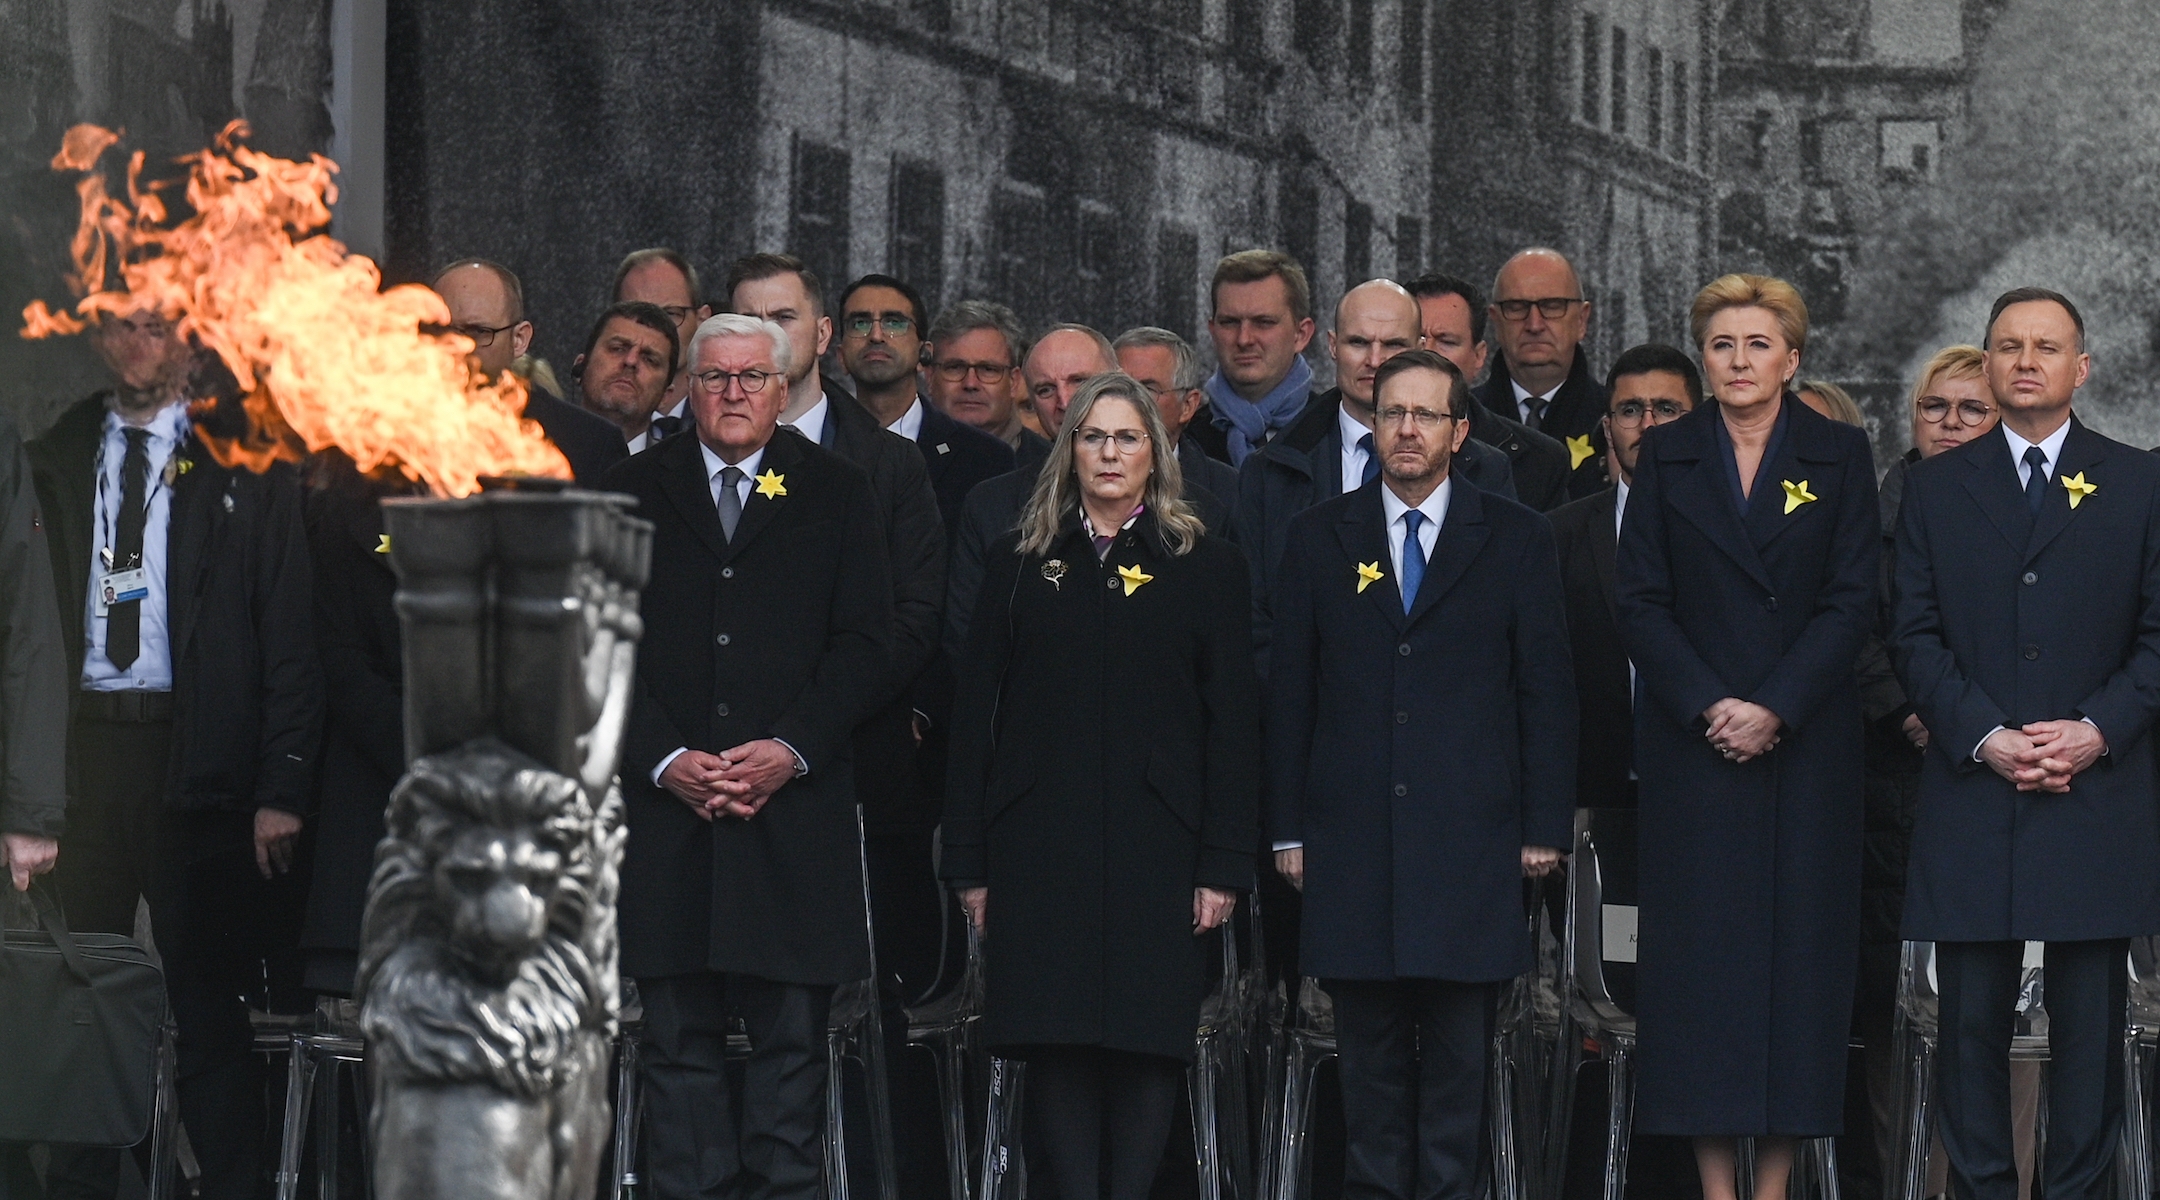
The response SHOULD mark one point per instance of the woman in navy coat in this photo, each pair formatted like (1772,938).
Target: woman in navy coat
(1746,581)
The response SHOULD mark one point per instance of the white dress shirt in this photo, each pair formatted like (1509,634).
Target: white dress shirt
(909,425)
(1619,513)
(638,443)
(1531,404)
(680,409)
(812,423)
(1435,510)
(1353,455)
(2051,448)
(714,464)
(152,669)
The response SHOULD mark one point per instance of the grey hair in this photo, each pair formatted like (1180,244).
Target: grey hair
(967,316)
(1109,352)
(738,325)
(1057,488)
(1186,374)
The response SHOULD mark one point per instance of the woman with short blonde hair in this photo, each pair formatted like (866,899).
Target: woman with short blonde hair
(1746,580)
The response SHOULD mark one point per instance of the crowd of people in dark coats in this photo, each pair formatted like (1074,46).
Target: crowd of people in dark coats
(1066,652)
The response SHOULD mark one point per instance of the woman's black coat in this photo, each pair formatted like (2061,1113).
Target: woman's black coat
(1750,918)
(1105,762)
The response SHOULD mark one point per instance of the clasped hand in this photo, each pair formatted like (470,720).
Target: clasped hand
(1740,730)
(1210,907)
(733,783)
(2042,756)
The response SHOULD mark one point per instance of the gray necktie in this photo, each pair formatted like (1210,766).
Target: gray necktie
(730,500)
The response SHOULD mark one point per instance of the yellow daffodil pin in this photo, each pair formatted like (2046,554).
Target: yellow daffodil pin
(382,543)
(1796,494)
(771,485)
(1368,574)
(2078,488)
(1133,577)
(1578,450)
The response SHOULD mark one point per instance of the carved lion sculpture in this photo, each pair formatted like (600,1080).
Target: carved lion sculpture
(487,979)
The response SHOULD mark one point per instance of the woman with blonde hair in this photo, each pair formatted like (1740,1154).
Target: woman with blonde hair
(1746,579)
(1102,796)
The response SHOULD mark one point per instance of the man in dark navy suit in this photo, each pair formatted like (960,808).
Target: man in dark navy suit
(2027,634)
(1421,754)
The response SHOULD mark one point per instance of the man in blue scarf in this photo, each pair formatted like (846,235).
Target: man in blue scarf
(1261,323)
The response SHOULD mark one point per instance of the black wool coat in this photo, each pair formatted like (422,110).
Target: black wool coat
(1750,913)
(2005,619)
(784,633)
(247,688)
(591,443)
(1415,755)
(958,456)
(884,755)
(1572,418)
(1587,539)
(1106,742)
(361,645)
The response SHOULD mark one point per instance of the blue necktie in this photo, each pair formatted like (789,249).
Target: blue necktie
(664,427)
(2035,478)
(1372,459)
(1413,557)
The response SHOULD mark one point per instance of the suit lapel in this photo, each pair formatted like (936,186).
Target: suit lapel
(1362,529)
(684,482)
(1327,466)
(1604,544)
(784,451)
(1802,452)
(1463,533)
(1992,481)
(1701,495)
(187,544)
(2081,449)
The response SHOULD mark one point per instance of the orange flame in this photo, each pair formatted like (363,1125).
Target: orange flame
(326,356)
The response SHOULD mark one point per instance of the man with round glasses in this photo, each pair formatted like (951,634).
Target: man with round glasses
(1540,314)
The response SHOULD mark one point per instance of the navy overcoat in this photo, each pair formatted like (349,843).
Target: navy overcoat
(2004,619)
(1415,756)
(1749,926)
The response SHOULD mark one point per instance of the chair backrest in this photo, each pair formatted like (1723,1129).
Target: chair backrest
(1919,996)
(2145,982)
(1583,957)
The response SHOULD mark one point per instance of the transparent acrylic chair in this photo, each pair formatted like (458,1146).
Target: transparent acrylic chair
(326,1063)
(1597,1027)
(1222,1148)
(950,1028)
(1916,1042)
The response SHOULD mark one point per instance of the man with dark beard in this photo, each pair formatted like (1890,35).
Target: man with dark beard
(623,374)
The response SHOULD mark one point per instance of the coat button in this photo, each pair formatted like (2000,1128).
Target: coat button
(1112,583)
(2031,578)
(1402,718)
(727,572)
(1770,605)
(1403,649)
(721,710)
(1402,789)
(2031,653)
(722,639)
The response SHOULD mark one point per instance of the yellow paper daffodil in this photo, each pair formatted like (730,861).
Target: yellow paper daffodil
(1133,577)
(1578,450)
(771,485)
(382,543)
(1796,494)
(2078,488)
(1368,574)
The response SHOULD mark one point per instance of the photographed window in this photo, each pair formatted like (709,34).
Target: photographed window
(1619,81)
(1910,148)
(1247,30)
(1021,240)
(1299,213)
(1177,275)
(1313,25)
(1682,127)
(818,210)
(1409,247)
(1593,77)
(1359,43)
(918,229)
(1410,60)
(1653,95)
(1356,242)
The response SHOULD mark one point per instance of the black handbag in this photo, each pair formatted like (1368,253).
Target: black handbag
(80,1023)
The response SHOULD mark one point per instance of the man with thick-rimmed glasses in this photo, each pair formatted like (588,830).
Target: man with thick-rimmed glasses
(976,347)
(1539,316)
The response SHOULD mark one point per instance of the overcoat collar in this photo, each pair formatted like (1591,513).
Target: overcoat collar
(1702,496)
(683,480)
(1362,530)
(1992,481)
(1312,446)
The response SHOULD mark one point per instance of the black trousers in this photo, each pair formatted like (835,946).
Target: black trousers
(2086,984)
(1102,1117)
(704,1142)
(218,926)
(1413,1059)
